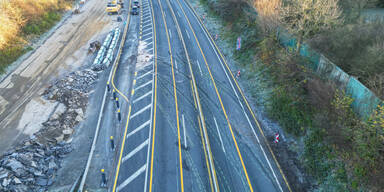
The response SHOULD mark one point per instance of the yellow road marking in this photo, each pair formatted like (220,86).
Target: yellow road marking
(155,98)
(125,97)
(220,100)
(196,97)
(205,154)
(248,106)
(175,98)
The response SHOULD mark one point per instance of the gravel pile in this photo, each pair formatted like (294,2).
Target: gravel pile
(32,166)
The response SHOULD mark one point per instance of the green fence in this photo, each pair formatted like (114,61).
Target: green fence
(365,101)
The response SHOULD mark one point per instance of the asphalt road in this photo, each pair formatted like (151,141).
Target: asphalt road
(189,127)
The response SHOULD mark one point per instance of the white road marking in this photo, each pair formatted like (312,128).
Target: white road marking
(143,75)
(137,149)
(140,111)
(147,24)
(221,140)
(147,29)
(149,44)
(170,33)
(176,65)
(253,129)
(146,16)
(185,133)
(187,34)
(143,85)
(138,128)
(131,178)
(142,97)
(178,13)
(198,64)
(146,21)
(151,49)
(144,35)
(147,38)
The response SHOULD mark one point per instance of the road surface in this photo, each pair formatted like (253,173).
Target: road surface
(189,126)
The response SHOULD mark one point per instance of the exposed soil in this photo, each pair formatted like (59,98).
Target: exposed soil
(64,51)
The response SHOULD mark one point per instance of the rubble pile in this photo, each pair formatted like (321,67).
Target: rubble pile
(33,165)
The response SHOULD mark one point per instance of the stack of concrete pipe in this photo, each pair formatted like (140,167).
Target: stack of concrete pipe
(105,54)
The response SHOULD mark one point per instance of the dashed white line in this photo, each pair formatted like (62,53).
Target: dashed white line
(185,133)
(138,128)
(137,149)
(221,140)
(176,65)
(140,111)
(178,13)
(187,34)
(170,33)
(142,97)
(132,177)
(198,64)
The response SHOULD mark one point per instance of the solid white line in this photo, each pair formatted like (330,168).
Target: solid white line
(198,64)
(147,29)
(147,21)
(185,133)
(249,122)
(140,111)
(137,149)
(147,25)
(221,141)
(143,75)
(143,96)
(132,177)
(138,128)
(170,33)
(144,35)
(187,34)
(143,85)
(147,38)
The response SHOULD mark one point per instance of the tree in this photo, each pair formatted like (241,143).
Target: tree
(268,14)
(306,18)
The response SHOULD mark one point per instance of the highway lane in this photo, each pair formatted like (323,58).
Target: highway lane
(262,172)
(176,151)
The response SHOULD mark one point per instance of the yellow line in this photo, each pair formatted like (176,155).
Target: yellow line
(221,103)
(121,151)
(196,97)
(175,97)
(125,97)
(205,154)
(155,100)
(246,101)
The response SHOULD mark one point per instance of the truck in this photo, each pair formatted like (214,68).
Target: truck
(113,7)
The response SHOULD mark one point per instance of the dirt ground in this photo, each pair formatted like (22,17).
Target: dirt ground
(62,52)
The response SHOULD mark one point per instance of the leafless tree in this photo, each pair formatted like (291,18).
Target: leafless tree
(305,18)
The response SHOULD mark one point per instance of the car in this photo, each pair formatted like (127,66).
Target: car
(135,10)
(113,8)
(136,3)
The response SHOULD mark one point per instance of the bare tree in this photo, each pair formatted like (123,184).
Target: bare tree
(268,14)
(305,18)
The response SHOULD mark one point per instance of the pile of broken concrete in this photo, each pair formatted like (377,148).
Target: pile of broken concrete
(32,166)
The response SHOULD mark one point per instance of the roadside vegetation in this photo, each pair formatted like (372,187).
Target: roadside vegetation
(338,149)
(23,20)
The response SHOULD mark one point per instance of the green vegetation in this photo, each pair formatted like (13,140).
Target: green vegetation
(340,150)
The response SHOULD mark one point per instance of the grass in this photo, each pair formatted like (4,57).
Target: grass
(22,20)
